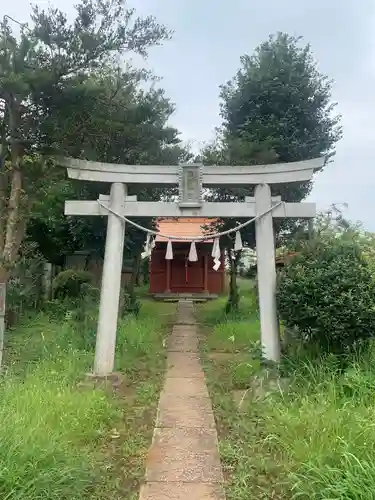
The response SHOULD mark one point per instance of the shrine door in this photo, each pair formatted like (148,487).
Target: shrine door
(186,277)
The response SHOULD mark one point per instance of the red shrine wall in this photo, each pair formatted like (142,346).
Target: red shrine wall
(181,276)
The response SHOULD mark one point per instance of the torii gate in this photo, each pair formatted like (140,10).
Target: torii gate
(190,178)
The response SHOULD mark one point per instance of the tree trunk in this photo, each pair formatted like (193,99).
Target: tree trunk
(134,281)
(146,271)
(234,297)
(3,200)
(138,272)
(13,224)
(3,182)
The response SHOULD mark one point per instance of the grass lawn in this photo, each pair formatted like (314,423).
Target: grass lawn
(62,437)
(314,441)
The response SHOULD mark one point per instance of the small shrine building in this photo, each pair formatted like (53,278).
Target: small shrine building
(179,275)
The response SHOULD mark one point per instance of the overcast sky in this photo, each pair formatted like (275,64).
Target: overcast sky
(211,35)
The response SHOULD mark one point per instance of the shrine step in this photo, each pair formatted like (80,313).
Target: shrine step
(175,297)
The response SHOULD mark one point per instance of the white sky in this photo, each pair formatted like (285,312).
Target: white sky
(211,35)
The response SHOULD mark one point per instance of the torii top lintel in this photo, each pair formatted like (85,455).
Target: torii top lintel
(276,173)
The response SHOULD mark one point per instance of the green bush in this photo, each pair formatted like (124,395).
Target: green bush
(327,291)
(70,283)
(24,288)
(131,304)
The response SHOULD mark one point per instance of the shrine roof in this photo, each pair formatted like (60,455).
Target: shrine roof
(183,227)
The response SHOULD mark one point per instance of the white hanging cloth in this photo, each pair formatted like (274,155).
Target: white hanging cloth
(169,252)
(193,257)
(238,242)
(216,254)
(149,245)
(214,248)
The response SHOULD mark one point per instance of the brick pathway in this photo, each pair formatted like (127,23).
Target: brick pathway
(183,461)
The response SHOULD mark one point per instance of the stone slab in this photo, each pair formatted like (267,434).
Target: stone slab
(184,364)
(183,343)
(181,491)
(185,312)
(186,386)
(185,411)
(186,455)
(182,329)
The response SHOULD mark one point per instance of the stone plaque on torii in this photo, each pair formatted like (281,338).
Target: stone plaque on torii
(191,178)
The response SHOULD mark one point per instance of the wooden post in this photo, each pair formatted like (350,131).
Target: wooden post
(111,284)
(3,288)
(168,277)
(266,266)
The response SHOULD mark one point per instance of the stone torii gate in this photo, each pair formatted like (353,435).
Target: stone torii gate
(190,178)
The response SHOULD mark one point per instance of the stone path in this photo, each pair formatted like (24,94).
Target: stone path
(183,461)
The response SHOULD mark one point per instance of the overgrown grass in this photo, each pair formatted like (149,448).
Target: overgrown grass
(63,439)
(315,440)
(236,334)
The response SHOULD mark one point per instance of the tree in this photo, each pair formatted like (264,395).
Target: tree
(277,108)
(115,120)
(51,57)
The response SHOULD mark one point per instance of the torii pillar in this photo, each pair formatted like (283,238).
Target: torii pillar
(111,284)
(266,271)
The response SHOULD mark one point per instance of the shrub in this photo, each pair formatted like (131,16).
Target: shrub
(69,283)
(131,304)
(24,288)
(327,291)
